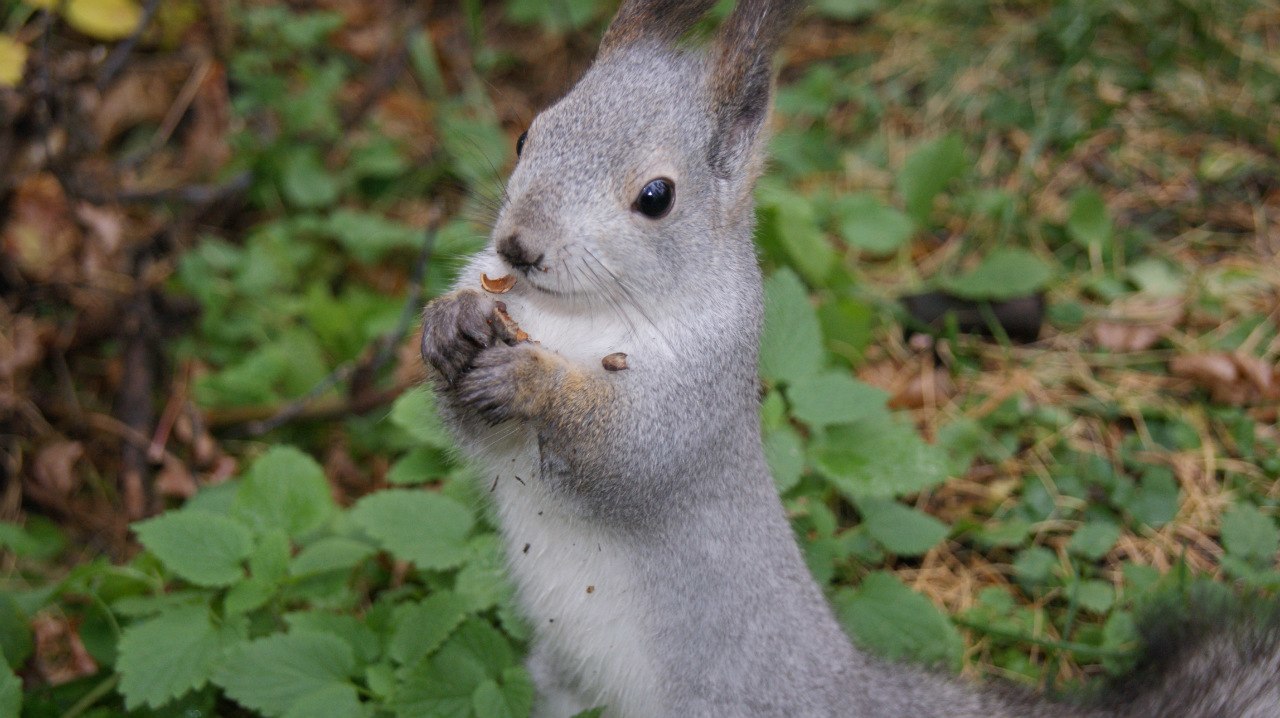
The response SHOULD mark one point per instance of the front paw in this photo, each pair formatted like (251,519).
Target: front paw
(456,328)
(506,382)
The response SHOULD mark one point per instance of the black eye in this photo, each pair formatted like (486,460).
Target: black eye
(520,142)
(655,199)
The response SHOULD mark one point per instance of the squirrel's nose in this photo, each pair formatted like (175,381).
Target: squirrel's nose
(517,255)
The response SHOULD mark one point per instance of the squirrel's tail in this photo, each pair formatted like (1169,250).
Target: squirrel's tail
(1205,653)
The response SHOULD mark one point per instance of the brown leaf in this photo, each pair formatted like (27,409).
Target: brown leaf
(1230,378)
(1127,337)
(174,480)
(54,466)
(60,655)
(22,344)
(40,237)
(1137,324)
(142,95)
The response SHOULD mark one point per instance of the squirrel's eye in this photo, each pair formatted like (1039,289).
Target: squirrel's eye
(520,142)
(655,199)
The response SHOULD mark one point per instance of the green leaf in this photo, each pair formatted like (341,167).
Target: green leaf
(591,712)
(835,398)
(847,10)
(285,489)
(510,698)
(1095,596)
(272,674)
(1155,503)
(895,622)
(784,450)
(10,693)
(900,529)
(870,225)
(269,560)
(15,632)
(424,627)
(203,548)
(334,553)
(249,595)
(791,347)
(369,237)
(1088,223)
(415,413)
(331,701)
(798,233)
(879,457)
(365,644)
(421,465)
(171,654)
(1003,274)
(428,529)
(1250,535)
(482,582)
(1034,566)
(1093,540)
(442,686)
(928,171)
(40,539)
(304,180)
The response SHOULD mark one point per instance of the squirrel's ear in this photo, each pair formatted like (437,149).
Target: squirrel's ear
(741,83)
(662,21)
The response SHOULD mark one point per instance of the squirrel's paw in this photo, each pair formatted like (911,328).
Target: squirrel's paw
(455,328)
(506,382)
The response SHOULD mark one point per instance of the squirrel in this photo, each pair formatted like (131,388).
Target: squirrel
(646,540)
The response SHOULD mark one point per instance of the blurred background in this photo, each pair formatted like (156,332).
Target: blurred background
(1022,369)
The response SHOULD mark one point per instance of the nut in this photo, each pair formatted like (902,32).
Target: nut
(614,362)
(500,285)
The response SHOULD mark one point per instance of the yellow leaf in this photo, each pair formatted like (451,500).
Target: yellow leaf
(13,58)
(104,19)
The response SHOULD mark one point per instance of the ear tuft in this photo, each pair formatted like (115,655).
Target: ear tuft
(660,21)
(741,82)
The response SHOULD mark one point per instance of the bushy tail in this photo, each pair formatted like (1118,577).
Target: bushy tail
(1205,654)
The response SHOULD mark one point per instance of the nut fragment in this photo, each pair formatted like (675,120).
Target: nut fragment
(615,362)
(508,331)
(499,285)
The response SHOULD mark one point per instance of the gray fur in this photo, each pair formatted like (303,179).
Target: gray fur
(662,463)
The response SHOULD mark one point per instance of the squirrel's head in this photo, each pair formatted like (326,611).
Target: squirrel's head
(642,174)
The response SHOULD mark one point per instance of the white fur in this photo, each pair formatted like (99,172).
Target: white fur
(595,632)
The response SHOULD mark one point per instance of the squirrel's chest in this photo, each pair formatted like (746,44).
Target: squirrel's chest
(582,594)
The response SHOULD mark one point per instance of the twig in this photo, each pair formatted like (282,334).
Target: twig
(386,346)
(134,402)
(193,194)
(115,61)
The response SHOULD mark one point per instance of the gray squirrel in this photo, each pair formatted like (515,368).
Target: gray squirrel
(645,537)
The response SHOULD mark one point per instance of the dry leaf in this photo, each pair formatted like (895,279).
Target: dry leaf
(175,480)
(21,344)
(1137,324)
(1127,337)
(13,60)
(1230,378)
(40,237)
(500,285)
(60,655)
(54,466)
(103,19)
